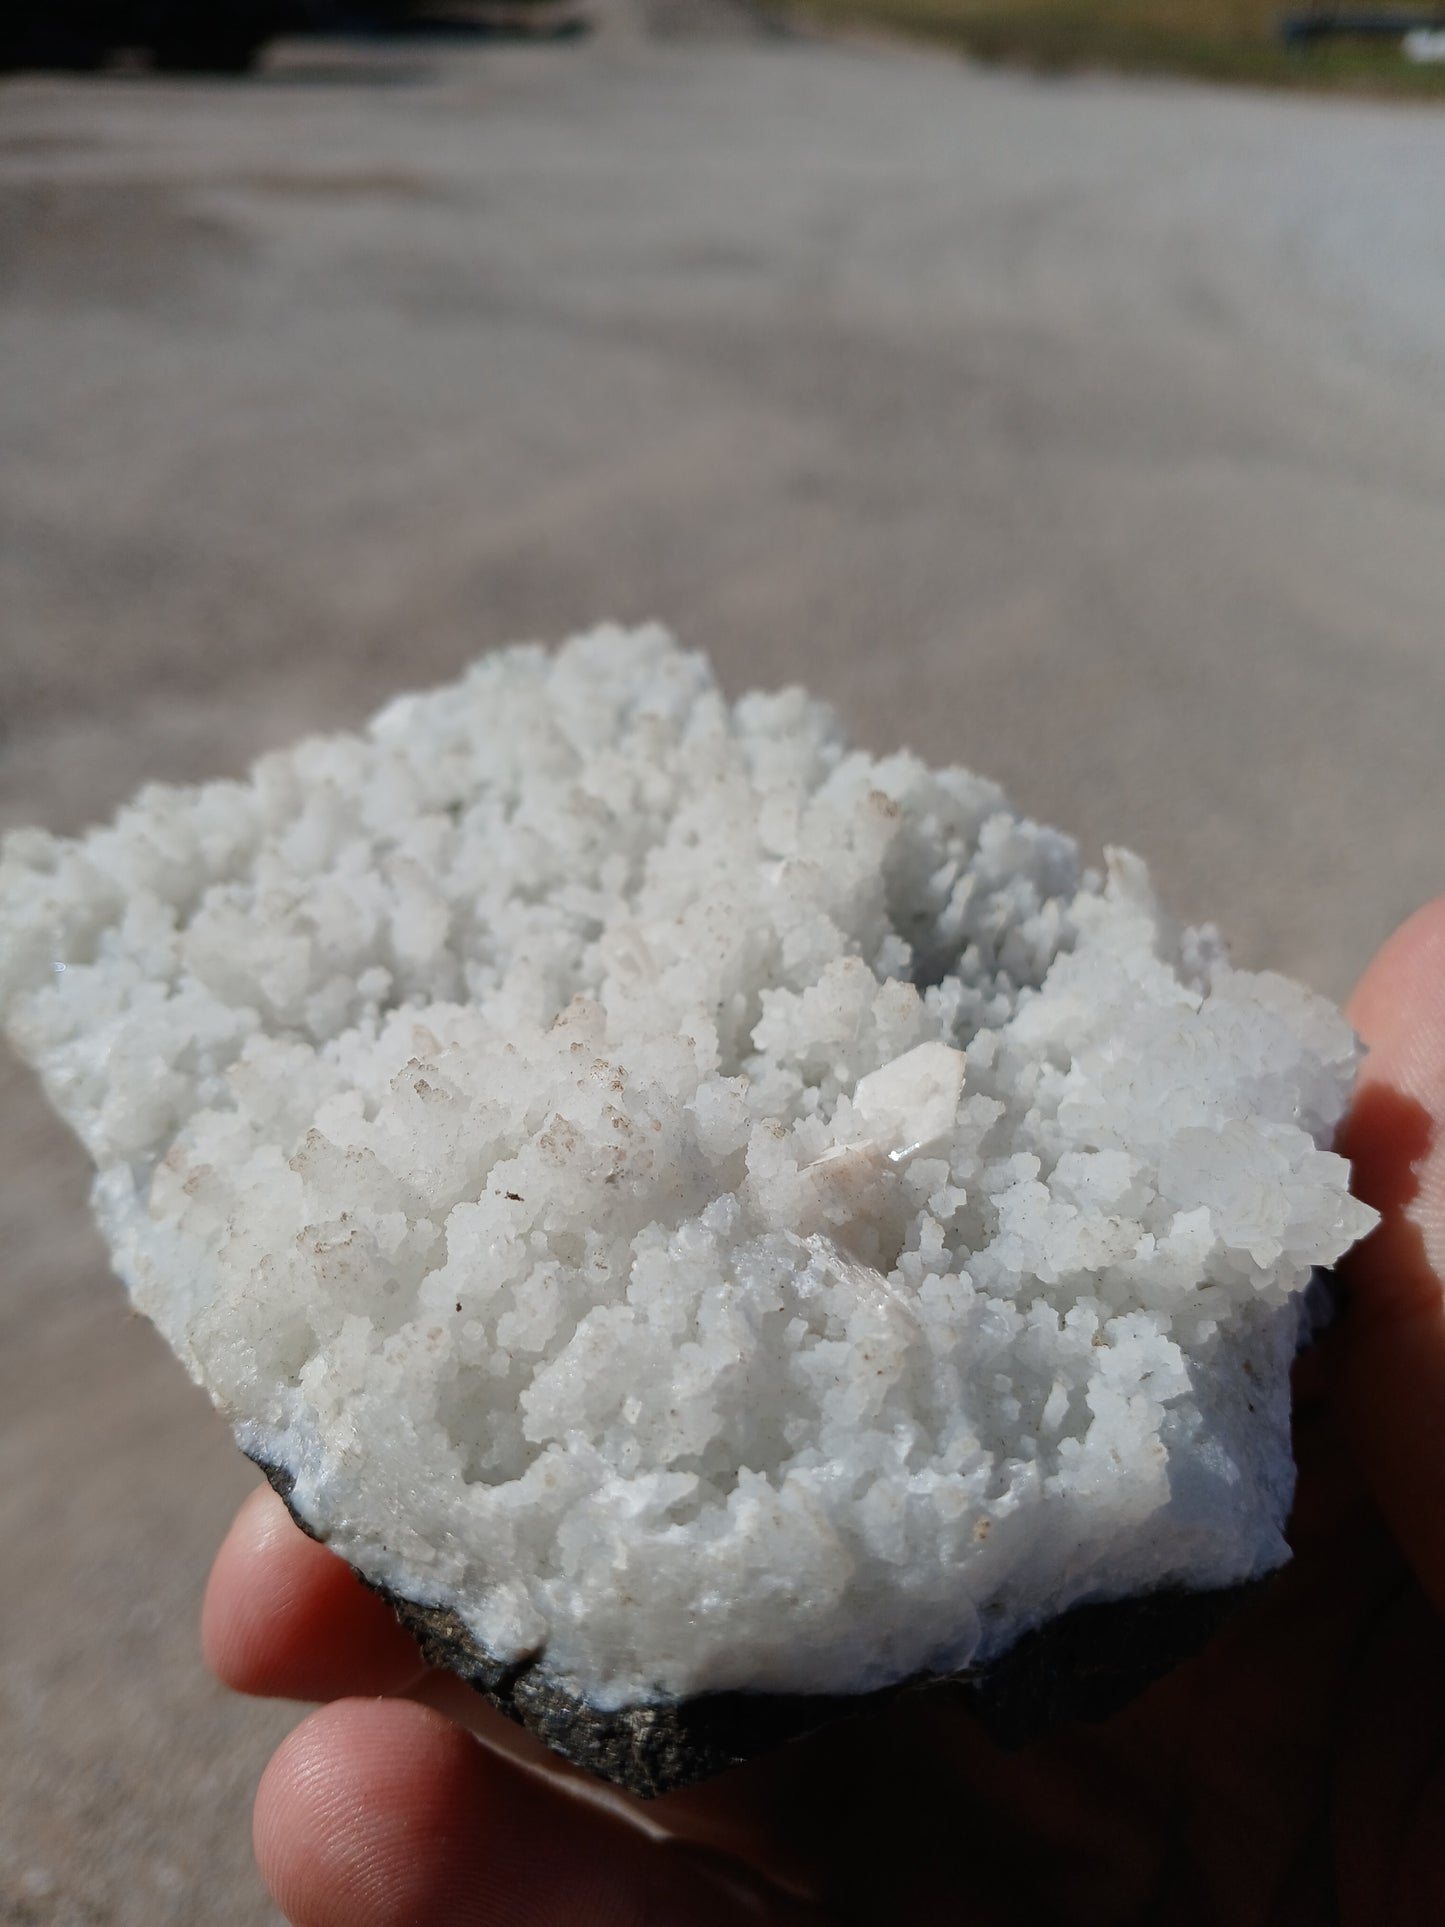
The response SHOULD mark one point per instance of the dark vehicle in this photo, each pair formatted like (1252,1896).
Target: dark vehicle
(225,36)
(180,36)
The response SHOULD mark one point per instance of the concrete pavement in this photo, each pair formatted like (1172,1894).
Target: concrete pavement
(1084,431)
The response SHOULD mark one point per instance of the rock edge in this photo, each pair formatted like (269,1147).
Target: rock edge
(1085,1664)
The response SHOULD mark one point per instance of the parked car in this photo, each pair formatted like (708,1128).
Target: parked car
(225,36)
(215,36)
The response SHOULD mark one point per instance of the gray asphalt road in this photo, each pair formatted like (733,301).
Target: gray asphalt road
(1086,432)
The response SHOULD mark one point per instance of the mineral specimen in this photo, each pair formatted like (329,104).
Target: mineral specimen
(713,1223)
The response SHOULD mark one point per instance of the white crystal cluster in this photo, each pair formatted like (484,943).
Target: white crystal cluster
(715,1208)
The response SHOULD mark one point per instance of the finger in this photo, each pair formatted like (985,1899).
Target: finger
(286,1618)
(1391,1355)
(379,1812)
(1389,1770)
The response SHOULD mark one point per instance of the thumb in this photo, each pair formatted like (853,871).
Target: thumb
(1391,1361)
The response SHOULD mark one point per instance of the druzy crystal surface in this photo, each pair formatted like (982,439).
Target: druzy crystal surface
(708,1207)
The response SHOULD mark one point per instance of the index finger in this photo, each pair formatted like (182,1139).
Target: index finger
(285,1618)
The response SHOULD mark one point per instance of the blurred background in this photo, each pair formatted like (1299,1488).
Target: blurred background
(1081,427)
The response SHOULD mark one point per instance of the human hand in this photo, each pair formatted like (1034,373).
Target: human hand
(1293,1774)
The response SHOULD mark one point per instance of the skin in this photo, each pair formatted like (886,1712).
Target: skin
(1293,1774)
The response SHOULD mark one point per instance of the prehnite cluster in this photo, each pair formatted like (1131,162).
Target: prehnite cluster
(712,1207)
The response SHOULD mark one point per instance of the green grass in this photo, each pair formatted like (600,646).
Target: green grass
(1233,40)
